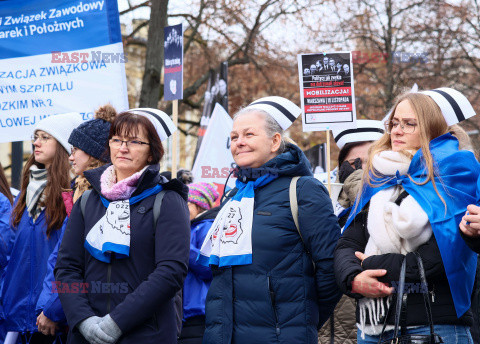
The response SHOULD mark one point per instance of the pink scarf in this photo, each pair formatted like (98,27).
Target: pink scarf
(118,191)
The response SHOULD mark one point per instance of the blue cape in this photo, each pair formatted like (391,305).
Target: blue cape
(459,172)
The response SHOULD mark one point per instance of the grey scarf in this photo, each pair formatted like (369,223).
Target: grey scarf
(35,196)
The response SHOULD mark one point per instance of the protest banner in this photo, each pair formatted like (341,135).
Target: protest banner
(214,160)
(173,78)
(216,92)
(327,94)
(58,56)
(173,62)
(326,91)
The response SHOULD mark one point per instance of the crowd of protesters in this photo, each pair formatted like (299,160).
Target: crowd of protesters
(101,247)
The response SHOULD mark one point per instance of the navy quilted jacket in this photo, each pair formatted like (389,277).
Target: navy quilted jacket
(279,298)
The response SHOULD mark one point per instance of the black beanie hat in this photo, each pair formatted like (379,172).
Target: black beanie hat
(92,136)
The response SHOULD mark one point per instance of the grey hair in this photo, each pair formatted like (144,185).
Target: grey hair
(271,125)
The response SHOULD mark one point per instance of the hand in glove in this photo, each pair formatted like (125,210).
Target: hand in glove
(346,169)
(110,328)
(92,332)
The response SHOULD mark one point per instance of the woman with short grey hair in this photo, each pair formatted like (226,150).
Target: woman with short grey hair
(265,288)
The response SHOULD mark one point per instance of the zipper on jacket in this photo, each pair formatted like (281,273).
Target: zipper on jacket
(109,277)
(432,293)
(272,299)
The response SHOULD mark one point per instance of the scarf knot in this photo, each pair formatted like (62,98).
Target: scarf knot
(121,190)
(111,234)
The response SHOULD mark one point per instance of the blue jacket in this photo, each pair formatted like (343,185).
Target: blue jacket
(26,271)
(7,236)
(48,301)
(199,276)
(138,291)
(279,298)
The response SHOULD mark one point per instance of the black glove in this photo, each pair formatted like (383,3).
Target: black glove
(346,169)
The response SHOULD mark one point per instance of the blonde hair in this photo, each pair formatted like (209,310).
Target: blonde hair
(464,141)
(431,124)
(81,183)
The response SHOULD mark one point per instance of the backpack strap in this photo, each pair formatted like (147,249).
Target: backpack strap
(157,205)
(178,298)
(83,201)
(294,202)
(292,192)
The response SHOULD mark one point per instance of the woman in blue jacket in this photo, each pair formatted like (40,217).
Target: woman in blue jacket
(265,288)
(6,234)
(89,150)
(201,198)
(38,219)
(117,270)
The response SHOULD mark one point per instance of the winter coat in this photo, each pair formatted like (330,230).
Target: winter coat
(137,291)
(26,271)
(7,236)
(340,327)
(49,302)
(473,243)
(199,277)
(347,266)
(279,298)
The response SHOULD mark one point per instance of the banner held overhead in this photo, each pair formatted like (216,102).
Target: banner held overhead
(58,56)
(326,91)
(173,64)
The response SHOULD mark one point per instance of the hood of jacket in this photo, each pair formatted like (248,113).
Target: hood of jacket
(149,178)
(292,162)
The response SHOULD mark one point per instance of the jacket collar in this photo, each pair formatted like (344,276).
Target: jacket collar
(149,178)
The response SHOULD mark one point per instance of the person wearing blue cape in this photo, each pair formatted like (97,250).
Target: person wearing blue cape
(416,188)
(265,288)
(354,144)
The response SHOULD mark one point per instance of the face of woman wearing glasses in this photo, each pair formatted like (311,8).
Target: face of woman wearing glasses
(45,147)
(132,158)
(80,161)
(404,132)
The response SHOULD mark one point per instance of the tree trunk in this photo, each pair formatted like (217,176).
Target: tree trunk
(389,93)
(150,94)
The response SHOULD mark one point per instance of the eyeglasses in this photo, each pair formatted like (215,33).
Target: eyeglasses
(117,143)
(42,138)
(73,150)
(408,126)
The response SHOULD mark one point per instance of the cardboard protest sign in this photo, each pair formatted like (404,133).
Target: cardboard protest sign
(326,91)
(58,56)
